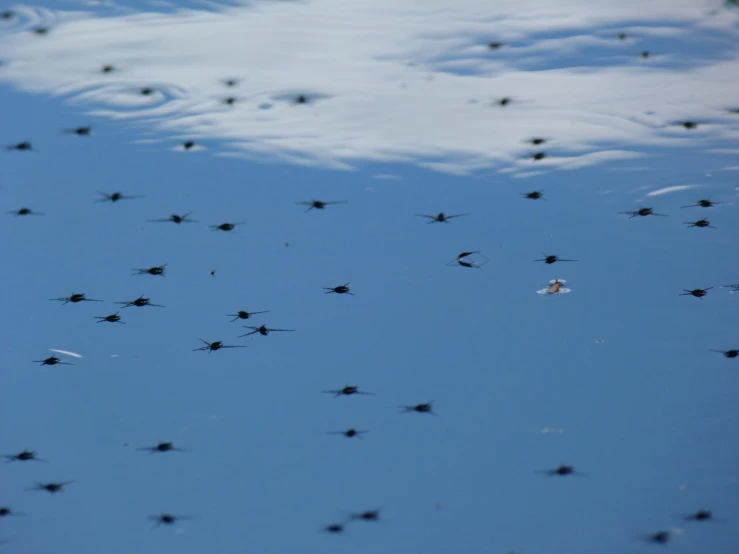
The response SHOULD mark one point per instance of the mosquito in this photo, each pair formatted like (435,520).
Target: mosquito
(441,217)
(116,196)
(700,515)
(241,314)
(156,270)
(168,519)
(426,408)
(495,45)
(163,447)
(562,471)
(174,218)
(213,346)
(688,124)
(367,515)
(504,101)
(702,203)
(301,99)
(550,259)
(74,298)
(621,36)
(25,456)
(645,54)
(320,205)
(643,212)
(347,390)
(341,289)
(24,146)
(5,511)
(50,487)
(534,195)
(262,330)
(41,31)
(660,537)
(537,156)
(112,318)
(536,141)
(79,131)
(463,259)
(230,82)
(334,528)
(728,353)
(140,302)
(698,293)
(699,223)
(52,360)
(146,91)
(107,69)
(226,226)
(24,211)
(555,287)
(349,433)
(188,144)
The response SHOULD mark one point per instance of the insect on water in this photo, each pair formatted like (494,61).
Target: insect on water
(555,287)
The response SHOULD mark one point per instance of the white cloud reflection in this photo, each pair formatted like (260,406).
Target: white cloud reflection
(399,80)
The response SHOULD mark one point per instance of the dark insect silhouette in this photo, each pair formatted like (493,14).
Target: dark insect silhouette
(241,314)
(347,390)
(504,101)
(79,131)
(76,297)
(24,211)
(536,141)
(25,456)
(163,447)
(688,124)
(643,212)
(660,537)
(140,302)
(334,528)
(495,45)
(699,223)
(50,487)
(51,360)
(551,258)
(367,515)
(538,156)
(341,289)
(698,293)
(188,144)
(226,226)
(733,110)
(728,353)
(734,288)
(463,259)
(229,101)
(41,31)
(107,69)
(174,218)
(703,203)
(5,511)
(319,205)
(441,217)
(426,408)
(116,196)
(24,146)
(562,471)
(700,515)
(112,318)
(146,91)
(535,195)
(156,270)
(262,330)
(645,54)
(7,15)
(213,346)
(349,433)
(230,82)
(301,99)
(168,519)
(621,36)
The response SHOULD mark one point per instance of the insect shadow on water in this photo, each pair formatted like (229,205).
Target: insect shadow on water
(698,293)
(699,223)
(425,408)
(163,447)
(174,218)
(555,287)
(334,528)
(347,390)
(533,195)
(702,203)
(659,537)
(349,433)
(23,211)
(52,360)
(213,346)
(79,131)
(241,314)
(341,289)
(320,204)
(168,519)
(140,302)
(366,515)
(52,488)
(24,456)
(156,270)
(562,471)
(700,515)
(116,196)
(441,217)
(727,353)
(551,258)
(642,212)
(75,298)
(262,330)
(24,146)
(112,318)
(226,226)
